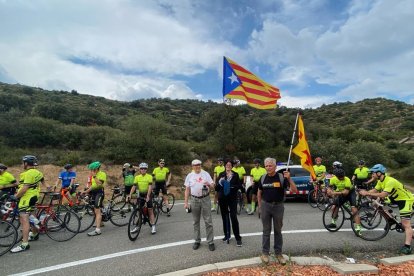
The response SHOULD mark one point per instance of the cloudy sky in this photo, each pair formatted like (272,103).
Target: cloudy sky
(315,51)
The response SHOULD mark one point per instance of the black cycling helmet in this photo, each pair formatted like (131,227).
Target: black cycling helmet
(361,162)
(68,166)
(30,160)
(228,160)
(339,172)
(256,161)
(3,167)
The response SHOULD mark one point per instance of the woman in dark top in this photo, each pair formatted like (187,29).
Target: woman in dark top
(227,185)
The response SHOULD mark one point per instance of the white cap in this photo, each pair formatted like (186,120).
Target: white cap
(195,162)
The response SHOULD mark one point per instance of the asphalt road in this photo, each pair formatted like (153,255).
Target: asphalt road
(171,248)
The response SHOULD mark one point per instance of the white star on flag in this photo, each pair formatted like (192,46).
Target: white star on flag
(233,78)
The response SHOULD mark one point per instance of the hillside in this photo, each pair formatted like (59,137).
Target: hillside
(62,127)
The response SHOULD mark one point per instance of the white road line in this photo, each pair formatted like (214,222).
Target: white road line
(145,249)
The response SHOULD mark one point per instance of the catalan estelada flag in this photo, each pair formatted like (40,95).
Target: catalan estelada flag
(239,83)
(302,149)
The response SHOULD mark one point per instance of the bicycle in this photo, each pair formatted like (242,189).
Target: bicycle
(380,222)
(140,216)
(8,236)
(318,197)
(114,210)
(80,206)
(165,208)
(240,202)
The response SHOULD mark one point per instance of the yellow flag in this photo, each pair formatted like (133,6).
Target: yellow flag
(302,149)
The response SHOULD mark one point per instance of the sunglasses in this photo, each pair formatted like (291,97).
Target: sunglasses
(143,169)
(162,163)
(197,165)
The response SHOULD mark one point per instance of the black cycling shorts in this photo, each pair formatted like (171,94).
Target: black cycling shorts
(351,198)
(127,190)
(160,186)
(97,198)
(143,198)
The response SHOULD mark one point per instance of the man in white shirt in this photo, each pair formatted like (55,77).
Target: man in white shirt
(198,185)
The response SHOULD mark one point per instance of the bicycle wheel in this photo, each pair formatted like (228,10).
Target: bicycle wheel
(374,233)
(62,225)
(134,224)
(328,222)
(86,216)
(118,203)
(322,201)
(239,202)
(156,210)
(165,208)
(121,216)
(312,198)
(370,217)
(8,236)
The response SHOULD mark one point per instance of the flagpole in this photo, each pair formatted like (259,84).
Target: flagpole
(291,143)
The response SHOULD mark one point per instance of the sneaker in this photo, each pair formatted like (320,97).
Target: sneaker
(239,243)
(196,245)
(153,230)
(168,214)
(211,247)
(332,225)
(358,232)
(94,233)
(250,213)
(213,209)
(33,237)
(405,250)
(20,248)
(265,259)
(280,259)
(134,230)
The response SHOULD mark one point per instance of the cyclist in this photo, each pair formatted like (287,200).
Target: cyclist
(344,192)
(96,193)
(8,183)
(28,193)
(162,176)
(390,187)
(361,175)
(67,179)
(143,181)
(128,173)
(239,169)
(320,170)
(217,170)
(255,173)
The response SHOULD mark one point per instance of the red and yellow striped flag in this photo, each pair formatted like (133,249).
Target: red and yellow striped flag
(302,149)
(239,83)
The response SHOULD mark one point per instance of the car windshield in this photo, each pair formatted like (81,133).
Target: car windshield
(295,172)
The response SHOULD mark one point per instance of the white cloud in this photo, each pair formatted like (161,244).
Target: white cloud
(311,101)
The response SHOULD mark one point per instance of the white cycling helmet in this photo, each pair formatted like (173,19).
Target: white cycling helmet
(337,164)
(143,166)
(127,165)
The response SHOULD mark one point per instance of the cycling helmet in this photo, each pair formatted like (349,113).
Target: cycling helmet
(94,165)
(256,161)
(30,160)
(339,172)
(68,166)
(318,158)
(361,162)
(161,161)
(378,168)
(3,167)
(127,165)
(220,159)
(337,164)
(143,166)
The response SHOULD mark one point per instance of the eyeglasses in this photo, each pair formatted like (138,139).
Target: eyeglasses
(143,168)
(162,163)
